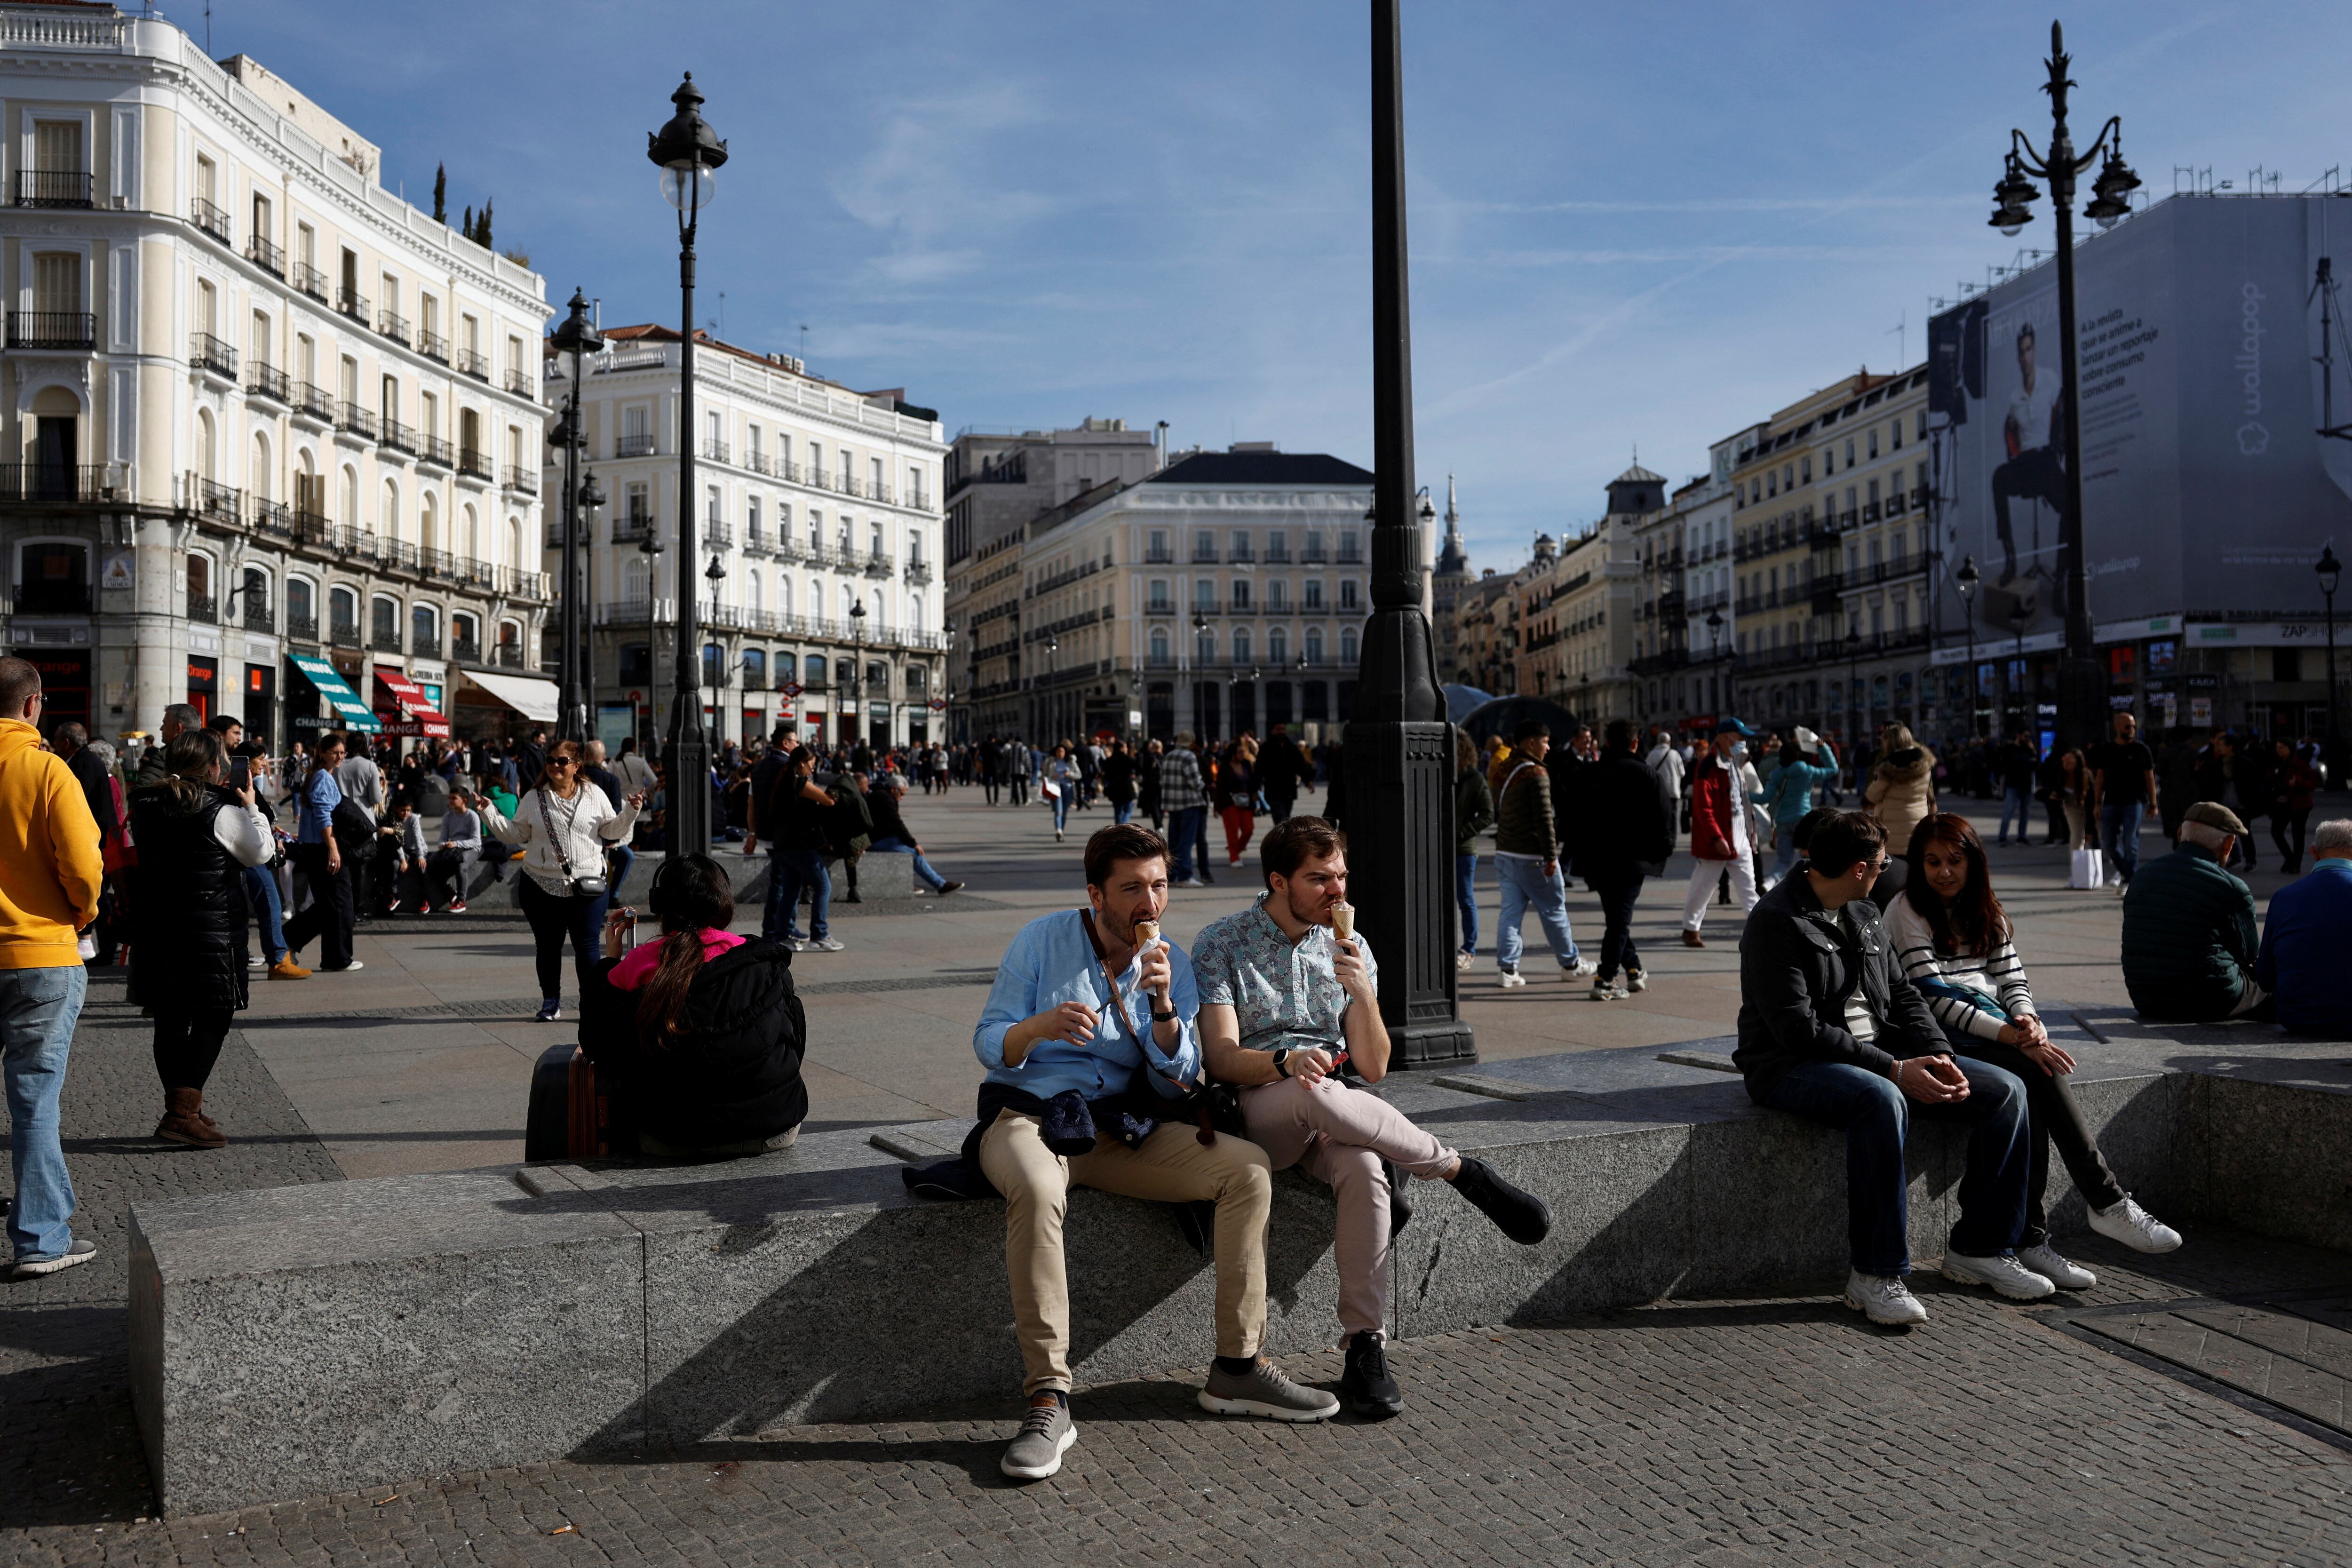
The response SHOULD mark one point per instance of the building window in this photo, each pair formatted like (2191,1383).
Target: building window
(1204,546)
(1347,594)
(1159,596)
(1314,644)
(1347,644)
(1313,603)
(1204,593)
(343,617)
(1277,646)
(1241,591)
(1159,645)
(1241,646)
(1157,551)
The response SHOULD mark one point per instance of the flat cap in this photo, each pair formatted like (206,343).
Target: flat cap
(2213,814)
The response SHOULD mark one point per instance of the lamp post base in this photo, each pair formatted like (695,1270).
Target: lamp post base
(1400,827)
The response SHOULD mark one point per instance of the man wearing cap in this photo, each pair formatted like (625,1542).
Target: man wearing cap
(2189,939)
(1719,840)
(1795,787)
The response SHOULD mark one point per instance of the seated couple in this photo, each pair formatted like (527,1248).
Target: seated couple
(1860,1025)
(1096,1030)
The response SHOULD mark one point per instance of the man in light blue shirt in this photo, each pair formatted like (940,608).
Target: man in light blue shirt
(1087,1036)
(2305,937)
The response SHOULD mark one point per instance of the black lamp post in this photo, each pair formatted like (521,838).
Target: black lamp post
(2329,569)
(857,682)
(714,575)
(1968,577)
(650,547)
(1398,748)
(689,153)
(2080,691)
(591,500)
(1199,630)
(576,336)
(1714,643)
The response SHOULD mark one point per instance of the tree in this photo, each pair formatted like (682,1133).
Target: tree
(441,193)
(482,238)
(467,228)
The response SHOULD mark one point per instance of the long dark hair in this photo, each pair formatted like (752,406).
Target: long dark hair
(690,894)
(1974,921)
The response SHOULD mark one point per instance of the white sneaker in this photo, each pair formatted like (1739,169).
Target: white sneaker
(2006,1275)
(821,945)
(1636,981)
(1609,991)
(1510,977)
(1883,1300)
(1583,966)
(1464,960)
(2044,1260)
(2134,1226)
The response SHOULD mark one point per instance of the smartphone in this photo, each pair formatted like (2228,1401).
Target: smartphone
(241,773)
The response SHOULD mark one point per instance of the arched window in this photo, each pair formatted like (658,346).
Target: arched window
(204,453)
(755,670)
(1205,648)
(514,542)
(1277,645)
(465,635)
(788,666)
(847,600)
(783,593)
(814,666)
(383,625)
(914,611)
(351,497)
(387,523)
(1346,645)
(751,591)
(425,630)
(429,521)
(301,609)
(344,622)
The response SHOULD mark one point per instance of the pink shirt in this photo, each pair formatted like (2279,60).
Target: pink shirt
(638,963)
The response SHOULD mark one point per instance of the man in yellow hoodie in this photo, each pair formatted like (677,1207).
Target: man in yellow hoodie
(50,877)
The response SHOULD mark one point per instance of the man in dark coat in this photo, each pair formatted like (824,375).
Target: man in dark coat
(1282,769)
(1618,823)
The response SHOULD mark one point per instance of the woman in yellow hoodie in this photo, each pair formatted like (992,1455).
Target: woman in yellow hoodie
(49,877)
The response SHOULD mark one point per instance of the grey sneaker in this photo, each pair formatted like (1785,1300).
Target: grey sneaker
(1580,968)
(2045,1261)
(2126,1222)
(1265,1390)
(1883,1299)
(2005,1274)
(1609,991)
(1636,981)
(821,945)
(1046,1435)
(81,1251)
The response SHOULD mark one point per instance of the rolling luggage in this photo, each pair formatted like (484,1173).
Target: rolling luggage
(568,1119)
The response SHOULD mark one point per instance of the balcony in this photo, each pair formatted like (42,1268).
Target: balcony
(384,641)
(426,645)
(313,402)
(257,616)
(639,445)
(265,256)
(204,608)
(714,449)
(879,567)
(80,484)
(270,382)
(354,304)
(918,572)
(1277,556)
(436,451)
(1159,555)
(1350,556)
(522,479)
(345,634)
(273,517)
(1241,555)
(519,382)
(433,346)
(209,218)
(509,655)
(466,650)
(311,282)
(474,464)
(717,533)
(219,502)
(396,435)
(471,362)
(52,188)
(313,528)
(52,329)
(302,628)
(631,530)
(356,420)
(1204,557)
(876,489)
(395,327)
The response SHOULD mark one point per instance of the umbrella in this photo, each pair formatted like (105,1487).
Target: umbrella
(1461,702)
(1503,715)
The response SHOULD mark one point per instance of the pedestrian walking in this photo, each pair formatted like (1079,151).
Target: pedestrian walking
(795,815)
(1474,813)
(198,836)
(1618,823)
(1526,861)
(1061,785)
(562,829)
(1719,830)
(50,876)
(1186,800)
(1237,796)
(1147,786)
(326,870)
(1118,782)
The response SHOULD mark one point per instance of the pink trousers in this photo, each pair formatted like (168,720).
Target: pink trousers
(1339,1136)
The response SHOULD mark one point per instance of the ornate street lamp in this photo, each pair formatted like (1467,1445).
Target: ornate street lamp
(1199,630)
(689,154)
(1398,748)
(650,547)
(576,336)
(857,682)
(592,501)
(714,575)
(2081,693)
(1968,577)
(2329,569)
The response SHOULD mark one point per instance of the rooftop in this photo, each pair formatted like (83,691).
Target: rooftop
(1261,467)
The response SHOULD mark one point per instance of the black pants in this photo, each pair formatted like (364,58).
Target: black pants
(2286,831)
(187,1044)
(444,876)
(2051,1117)
(988,785)
(552,917)
(2034,474)
(1281,806)
(1618,892)
(329,918)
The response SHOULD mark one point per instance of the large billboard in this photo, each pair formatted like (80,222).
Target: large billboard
(2208,489)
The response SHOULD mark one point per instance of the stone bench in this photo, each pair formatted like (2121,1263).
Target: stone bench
(880,876)
(325,1338)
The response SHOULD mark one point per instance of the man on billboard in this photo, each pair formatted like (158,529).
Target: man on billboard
(2034,471)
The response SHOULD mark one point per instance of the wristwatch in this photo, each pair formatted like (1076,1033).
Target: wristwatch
(1282,1061)
(1167,1018)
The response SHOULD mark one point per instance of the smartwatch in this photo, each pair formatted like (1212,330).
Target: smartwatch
(1282,1061)
(1167,1018)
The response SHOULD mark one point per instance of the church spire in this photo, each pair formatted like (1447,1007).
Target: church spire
(1453,557)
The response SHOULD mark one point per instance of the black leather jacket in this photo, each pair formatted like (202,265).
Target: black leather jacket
(1799,963)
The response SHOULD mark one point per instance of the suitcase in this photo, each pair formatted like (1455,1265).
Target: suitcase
(567,1119)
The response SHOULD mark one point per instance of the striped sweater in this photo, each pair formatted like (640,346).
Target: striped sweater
(1999,974)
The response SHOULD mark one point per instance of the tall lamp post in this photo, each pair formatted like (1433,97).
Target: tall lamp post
(592,501)
(2329,569)
(1968,577)
(714,575)
(858,669)
(689,153)
(1199,630)
(577,336)
(650,547)
(1398,748)
(1715,650)
(2080,691)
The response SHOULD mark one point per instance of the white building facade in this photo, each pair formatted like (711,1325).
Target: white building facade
(274,429)
(820,507)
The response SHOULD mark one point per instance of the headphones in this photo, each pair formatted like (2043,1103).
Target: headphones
(662,874)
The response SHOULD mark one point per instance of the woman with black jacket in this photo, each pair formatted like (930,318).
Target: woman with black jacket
(195,839)
(700,1034)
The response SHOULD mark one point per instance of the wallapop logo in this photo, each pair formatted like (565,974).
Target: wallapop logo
(2252,440)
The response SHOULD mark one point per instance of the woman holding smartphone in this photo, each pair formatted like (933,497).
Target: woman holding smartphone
(563,827)
(1954,942)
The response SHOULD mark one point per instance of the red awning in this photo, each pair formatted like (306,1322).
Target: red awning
(409,704)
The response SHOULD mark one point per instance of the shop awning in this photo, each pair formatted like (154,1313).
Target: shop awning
(417,711)
(324,679)
(528,694)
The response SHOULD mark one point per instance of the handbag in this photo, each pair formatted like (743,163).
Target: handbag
(581,886)
(2086,870)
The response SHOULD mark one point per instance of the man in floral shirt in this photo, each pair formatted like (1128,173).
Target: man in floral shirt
(1284,1005)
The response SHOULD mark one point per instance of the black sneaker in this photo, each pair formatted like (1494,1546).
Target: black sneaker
(1365,1387)
(1516,1213)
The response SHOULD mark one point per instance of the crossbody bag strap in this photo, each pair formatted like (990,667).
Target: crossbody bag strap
(547,815)
(1102,957)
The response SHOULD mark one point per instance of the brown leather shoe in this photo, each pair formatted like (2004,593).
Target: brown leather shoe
(1692,939)
(184,1121)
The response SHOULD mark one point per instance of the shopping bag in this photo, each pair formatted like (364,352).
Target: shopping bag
(2088,871)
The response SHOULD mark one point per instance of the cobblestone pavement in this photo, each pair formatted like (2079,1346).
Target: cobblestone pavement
(1715,1432)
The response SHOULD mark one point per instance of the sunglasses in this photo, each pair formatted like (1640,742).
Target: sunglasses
(557,763)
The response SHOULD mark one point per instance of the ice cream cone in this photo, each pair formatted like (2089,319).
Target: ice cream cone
(1343,921)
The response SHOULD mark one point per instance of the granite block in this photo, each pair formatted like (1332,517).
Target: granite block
(2278,1160)
(1604,1072)
(2135,1117)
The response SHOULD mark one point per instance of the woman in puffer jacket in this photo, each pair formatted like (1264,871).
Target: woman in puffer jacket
(1902,789)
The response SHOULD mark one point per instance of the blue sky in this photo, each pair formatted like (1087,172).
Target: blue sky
(1631,226)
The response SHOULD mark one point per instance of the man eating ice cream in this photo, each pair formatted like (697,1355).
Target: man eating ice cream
(1290,1010)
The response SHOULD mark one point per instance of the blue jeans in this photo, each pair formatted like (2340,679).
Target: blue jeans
(620,858)
(790,871)
(1184,829)
(2119,834)
(2012,799)
(1784,850)
(261,892)
(1875,1117)
(1062,809)
(1466,897)
(923,871)
(1524,883)
(39,1008)
(1122,813)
